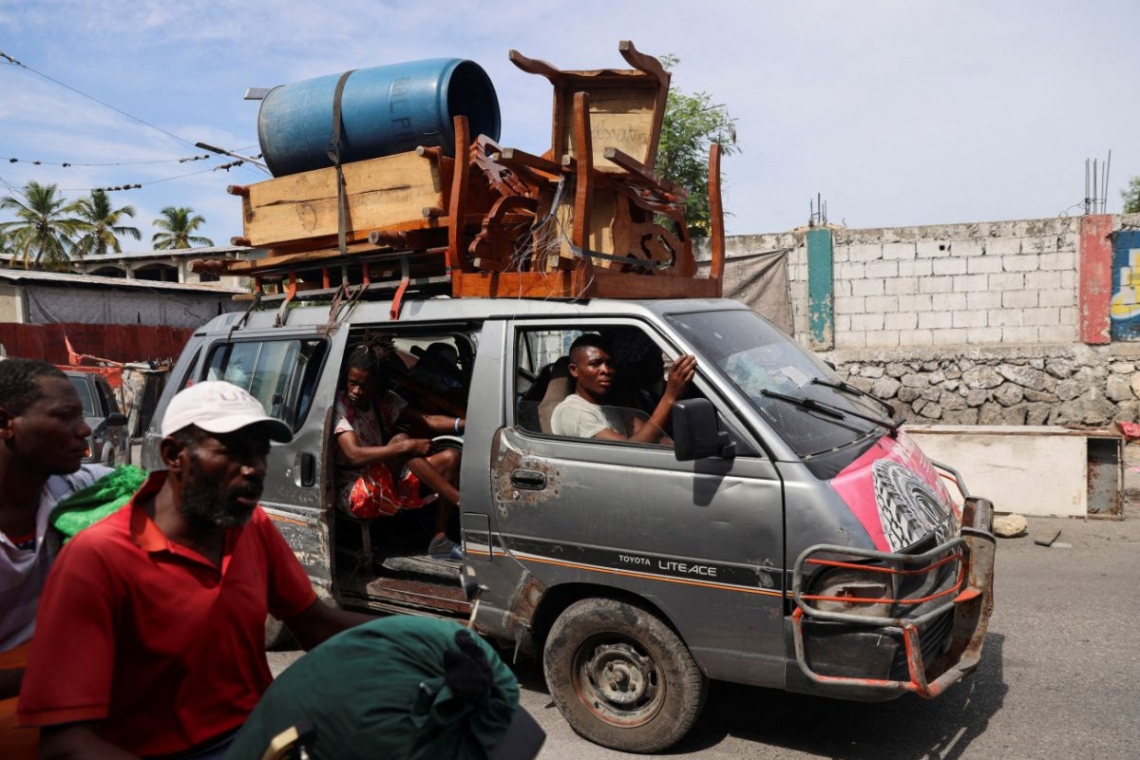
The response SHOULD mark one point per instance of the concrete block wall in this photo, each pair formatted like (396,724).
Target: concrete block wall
(961,284)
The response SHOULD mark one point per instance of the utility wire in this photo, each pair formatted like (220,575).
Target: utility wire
(66,164)
(140,185)
(13,62)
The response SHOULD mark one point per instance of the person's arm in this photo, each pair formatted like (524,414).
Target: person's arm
(78,741)
(321,621)
(653,430)
(10,679)
(438,424)
(359,456)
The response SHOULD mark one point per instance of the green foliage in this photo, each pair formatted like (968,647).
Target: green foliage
(178,226)
(1131,196)
(691,125)
(45,228)
(103,225)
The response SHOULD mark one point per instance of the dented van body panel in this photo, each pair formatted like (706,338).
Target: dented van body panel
(818,551)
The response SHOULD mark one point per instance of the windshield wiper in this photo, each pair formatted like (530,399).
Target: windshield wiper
(839,385)
(834,412)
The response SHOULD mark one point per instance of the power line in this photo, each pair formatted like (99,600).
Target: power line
(67,164)
(13,62)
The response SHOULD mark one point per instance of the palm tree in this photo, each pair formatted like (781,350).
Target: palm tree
(178,226)
(44,231)
(102,234)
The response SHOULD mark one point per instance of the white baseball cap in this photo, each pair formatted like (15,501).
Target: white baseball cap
(220,407)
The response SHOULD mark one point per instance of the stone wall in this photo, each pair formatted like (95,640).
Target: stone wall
(1069,384)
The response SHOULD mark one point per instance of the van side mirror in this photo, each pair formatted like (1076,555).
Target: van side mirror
(696,434)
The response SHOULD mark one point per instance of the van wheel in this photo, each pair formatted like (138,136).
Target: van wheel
(621,677)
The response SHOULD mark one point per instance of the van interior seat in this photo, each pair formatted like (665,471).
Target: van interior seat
(552,384)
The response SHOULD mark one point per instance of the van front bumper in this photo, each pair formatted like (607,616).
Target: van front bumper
(930,640)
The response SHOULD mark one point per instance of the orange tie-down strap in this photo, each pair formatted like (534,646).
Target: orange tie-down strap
(18,743)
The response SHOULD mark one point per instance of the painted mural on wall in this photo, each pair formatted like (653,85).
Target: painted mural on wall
(1125,308)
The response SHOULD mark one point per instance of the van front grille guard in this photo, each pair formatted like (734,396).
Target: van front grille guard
(970,597)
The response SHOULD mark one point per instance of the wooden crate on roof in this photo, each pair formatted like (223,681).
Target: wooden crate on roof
(380,193)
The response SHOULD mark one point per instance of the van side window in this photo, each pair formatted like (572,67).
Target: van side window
(281,374)
(617,397)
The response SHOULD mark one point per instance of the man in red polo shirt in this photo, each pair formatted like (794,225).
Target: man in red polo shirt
(150,635)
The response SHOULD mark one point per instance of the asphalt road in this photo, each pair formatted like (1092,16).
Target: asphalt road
(1057,678)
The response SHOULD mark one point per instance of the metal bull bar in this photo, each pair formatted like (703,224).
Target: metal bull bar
(970,598)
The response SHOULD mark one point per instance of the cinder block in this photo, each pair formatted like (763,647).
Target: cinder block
(948,301)
(1043,317)
(899,252)
(919,268)
(935,320)
(1019,299)
(900,286)
(867,287)
(902,320)
(1019,335)
(1004,318)
(947,337)
(965,283)
(1058,297)
(883,269)
(850,271)
(840,254)
(1023,262)
(1006,281)
(882,338)
(851,340)
(933,249)
(967,248)
(983,265)
(1065,333)
(918,303)
(1069,280)
(983,299)
(915,338)
(1061,261)
(865,252)
(1069,316)
(882,304)
(936,284)
(865,322)
(842,287)
(970,318)
(983,335)
(1042,280)
(849,305)
(842,323)
(949,266)
(1003,246)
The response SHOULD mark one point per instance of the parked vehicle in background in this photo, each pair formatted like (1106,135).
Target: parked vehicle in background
(110,443)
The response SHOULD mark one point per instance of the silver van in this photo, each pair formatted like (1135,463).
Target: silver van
(787,534)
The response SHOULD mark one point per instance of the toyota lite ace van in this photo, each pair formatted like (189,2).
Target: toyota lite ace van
(785,533)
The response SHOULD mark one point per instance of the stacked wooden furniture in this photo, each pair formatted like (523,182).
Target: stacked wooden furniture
(588,218)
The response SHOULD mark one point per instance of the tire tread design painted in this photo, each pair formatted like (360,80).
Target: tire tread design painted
(621,677)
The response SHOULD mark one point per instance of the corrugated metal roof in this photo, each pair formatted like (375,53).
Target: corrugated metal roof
(66,279)
(179,253)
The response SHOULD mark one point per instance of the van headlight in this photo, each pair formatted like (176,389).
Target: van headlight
(854,592)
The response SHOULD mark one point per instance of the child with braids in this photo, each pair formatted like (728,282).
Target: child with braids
(380,471)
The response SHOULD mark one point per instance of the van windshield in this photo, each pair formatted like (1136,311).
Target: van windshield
(799,396)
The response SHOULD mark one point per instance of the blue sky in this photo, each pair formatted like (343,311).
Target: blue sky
(898,113)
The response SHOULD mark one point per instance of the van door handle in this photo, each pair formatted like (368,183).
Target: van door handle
(528,480)
(306,469)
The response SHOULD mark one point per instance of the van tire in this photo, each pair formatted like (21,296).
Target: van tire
(661,691)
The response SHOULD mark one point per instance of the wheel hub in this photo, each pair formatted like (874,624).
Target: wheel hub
(621,675)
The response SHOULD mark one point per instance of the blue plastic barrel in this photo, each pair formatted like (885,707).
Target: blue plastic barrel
(384,110)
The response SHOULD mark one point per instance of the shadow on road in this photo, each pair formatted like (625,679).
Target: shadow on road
(909,727)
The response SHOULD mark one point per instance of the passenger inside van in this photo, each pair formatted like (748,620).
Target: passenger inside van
(380,470)
(588,412)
